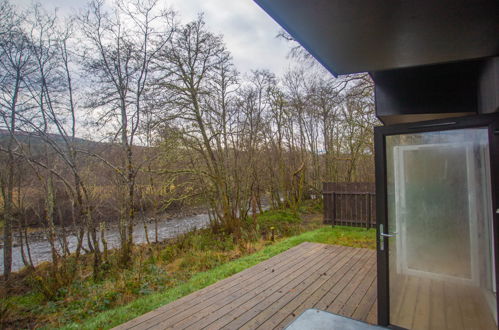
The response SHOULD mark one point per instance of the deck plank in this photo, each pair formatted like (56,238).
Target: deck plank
(299,304)
(339,279)
(437,306)
(311,300)
(422,310)
(283,306)
(346,303)
(366,304)
(266,294)
(191,300)
(269,304)
(452,314)
(252,282)
(358,294)
(251,295)
(475,308)
(334,298)
(372,317)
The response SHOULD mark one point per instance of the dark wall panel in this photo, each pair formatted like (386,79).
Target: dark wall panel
(488,96)
(447,89)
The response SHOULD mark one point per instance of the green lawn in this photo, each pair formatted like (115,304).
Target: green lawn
(348,236)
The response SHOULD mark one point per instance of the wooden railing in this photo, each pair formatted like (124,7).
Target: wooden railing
(349,204)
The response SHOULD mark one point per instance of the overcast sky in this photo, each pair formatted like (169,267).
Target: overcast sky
(248,31)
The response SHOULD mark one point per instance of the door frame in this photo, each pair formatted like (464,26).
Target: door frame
(490,121)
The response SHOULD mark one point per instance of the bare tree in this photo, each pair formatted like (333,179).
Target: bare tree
(181,123)
(122,45)
(15,66)
(188,66)
(254,104)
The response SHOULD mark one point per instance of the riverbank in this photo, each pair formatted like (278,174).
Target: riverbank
(158,273)
(169,225)
(347,236)
(36,234)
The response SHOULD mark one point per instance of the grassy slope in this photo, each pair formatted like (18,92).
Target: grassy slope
(355,237)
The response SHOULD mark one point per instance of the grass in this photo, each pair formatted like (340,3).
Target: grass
(70,297)
(355,237)
(69,293)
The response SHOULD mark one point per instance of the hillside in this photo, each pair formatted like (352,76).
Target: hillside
(35,139)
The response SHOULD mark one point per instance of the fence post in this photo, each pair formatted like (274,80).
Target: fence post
(368,211)
(333,222)
(325,202)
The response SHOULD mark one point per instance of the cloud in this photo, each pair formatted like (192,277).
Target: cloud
(248,31)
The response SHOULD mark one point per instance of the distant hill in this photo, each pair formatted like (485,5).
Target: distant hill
(35,140)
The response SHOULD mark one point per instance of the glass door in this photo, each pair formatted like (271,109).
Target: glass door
(436,256)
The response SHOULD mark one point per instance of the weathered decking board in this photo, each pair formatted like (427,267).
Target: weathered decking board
(273,293)
(424,303)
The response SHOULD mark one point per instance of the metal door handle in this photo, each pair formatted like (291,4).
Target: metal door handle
(382,236)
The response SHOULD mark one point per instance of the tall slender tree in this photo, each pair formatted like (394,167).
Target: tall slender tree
(122,45)
(15,66)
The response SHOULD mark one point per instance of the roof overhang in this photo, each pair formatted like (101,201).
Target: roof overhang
(366,36)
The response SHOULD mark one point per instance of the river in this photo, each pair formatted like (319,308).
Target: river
(40,249)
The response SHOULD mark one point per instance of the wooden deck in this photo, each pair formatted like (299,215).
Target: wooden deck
(424,303)
(272,294)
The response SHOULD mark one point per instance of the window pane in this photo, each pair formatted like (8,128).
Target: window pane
(439,204)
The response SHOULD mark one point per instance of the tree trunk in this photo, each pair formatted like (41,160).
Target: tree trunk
(49,217)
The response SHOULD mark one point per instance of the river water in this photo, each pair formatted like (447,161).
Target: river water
(40,249)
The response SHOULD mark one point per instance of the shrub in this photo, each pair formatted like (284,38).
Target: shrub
(202,261)
(168,253)
(281,222)
(312,206)
(5,308)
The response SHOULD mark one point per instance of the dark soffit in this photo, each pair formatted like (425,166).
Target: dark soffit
(348,36)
